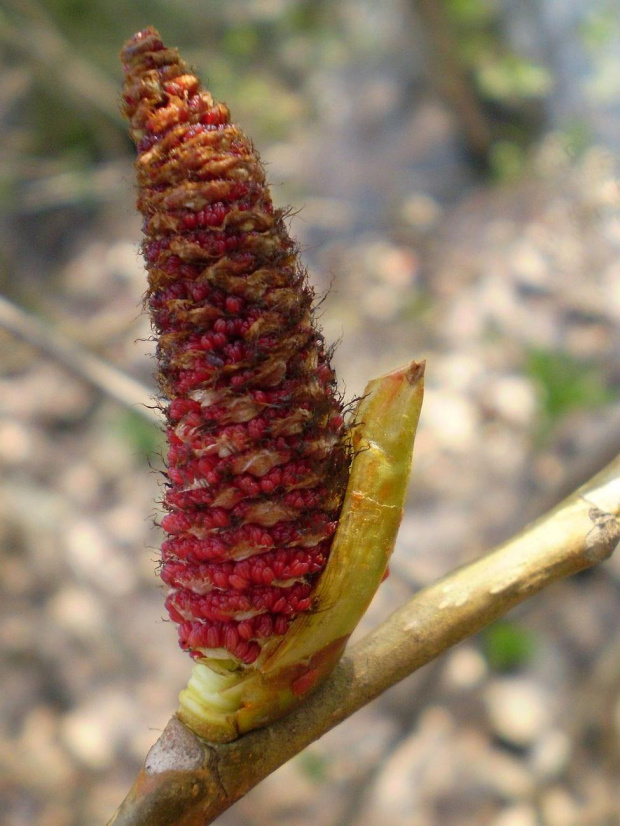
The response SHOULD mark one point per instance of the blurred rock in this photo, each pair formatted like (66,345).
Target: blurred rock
(79,611)
(45,764)
(92,555)
(518,710)
(95,730)
(465,668)
(517,816)
(558,808)
(414,772)
(551,754)
(451,419)
(421,212)
(15,442)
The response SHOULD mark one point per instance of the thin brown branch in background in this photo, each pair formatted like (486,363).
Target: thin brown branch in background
(99,373)
(452,78)
(38,37)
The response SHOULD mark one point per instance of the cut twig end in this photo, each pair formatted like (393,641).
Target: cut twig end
(604,537)
(178,748)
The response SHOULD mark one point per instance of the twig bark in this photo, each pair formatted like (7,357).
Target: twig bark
(188,782)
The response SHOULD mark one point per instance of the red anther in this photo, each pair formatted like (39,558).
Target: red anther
(279,606)
(206,466)
(335,424)
(234,304)
(256,428)
(324,373)
(264,627)
(253,650)
(175,476)
(219,518)
(267,486)
(213,637)
(198,292)
(280,625)
(241,650)
(180,407)
(245,630)
(248,485)
(190,220)
(230,638)
(176,522)
(175,616)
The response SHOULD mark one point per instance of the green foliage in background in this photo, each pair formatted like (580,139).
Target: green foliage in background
(599,32)
(512,78)
(313,766)
(566,384)
(599,26)
(501,74)
(507,647)
(578,137)
(507,161)
(143,438)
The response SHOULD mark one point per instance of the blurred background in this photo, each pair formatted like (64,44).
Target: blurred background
(452,167)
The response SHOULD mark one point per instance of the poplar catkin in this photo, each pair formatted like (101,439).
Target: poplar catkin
(258,459)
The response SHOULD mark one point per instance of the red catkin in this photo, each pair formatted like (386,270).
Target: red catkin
(257,460)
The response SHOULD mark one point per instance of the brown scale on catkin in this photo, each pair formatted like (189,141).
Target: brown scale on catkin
(257,461)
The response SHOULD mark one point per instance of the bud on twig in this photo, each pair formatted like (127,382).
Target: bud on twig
(259,453)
